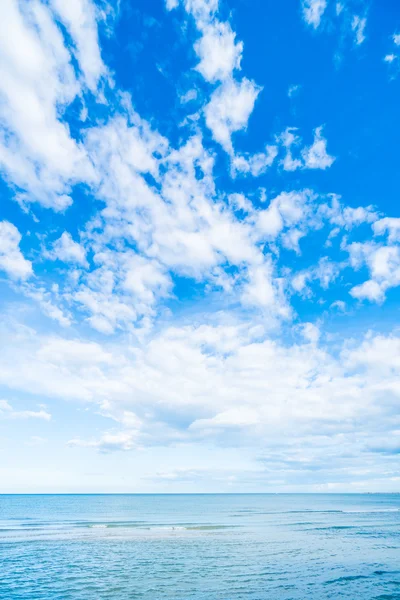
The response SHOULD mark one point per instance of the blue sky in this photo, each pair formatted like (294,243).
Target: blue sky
(199,246)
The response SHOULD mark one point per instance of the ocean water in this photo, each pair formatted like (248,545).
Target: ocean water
(181,547)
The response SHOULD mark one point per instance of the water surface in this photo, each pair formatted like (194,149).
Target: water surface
(184,547)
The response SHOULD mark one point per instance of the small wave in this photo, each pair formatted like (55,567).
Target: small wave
(298,524)
(208,527)
(335,528)
(109,524)
(241,513)
(346,579)
(310,510)
(371,511)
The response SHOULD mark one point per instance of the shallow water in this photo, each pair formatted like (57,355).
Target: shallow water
(196,547)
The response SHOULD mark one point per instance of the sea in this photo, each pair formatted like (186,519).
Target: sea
(200,547)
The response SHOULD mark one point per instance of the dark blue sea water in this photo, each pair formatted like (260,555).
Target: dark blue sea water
(196,547)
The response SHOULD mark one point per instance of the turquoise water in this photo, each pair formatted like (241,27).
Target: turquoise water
(200,547)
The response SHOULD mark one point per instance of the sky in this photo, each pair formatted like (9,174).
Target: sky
(199,246)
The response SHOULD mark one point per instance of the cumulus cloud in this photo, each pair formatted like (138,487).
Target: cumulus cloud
(37,82)
(12,260)
(232,102)
(67,250)
(288,139)
(202,10)
(369,290)
(219,54)
(348,217)
(123,288)
(383,263)
(316,156)
(229,110)
(284,212)
(189,383)
(262,289)
(310,157)
(389,225)
(313,11)
(254,164)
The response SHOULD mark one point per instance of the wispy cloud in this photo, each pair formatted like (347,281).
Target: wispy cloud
(8,412)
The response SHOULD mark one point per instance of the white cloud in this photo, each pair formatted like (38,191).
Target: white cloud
(299,283)
(122,289)
(325,272)
(67,250)
(291,239)
(37,82)
(190,382)
(108,442)
(339,304)
(389,225)
(49,302)
(294,90)
(235,417)
(284,212)
(316,156)
(255,164)
(392,57)
(189,96)
(289,139)
(12,260)
(229,110)
(202,10)
(181,226)
(347,217)
(264,290)
(312,157)
(369,290)
(59,351)
(378,353)
(358,26)
(383,263)
(313,11)
(347,22)
(233,101)
(7,412)
(310,332)
(219,54)
(80,19)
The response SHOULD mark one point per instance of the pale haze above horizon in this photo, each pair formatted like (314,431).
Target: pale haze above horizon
(199,246)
